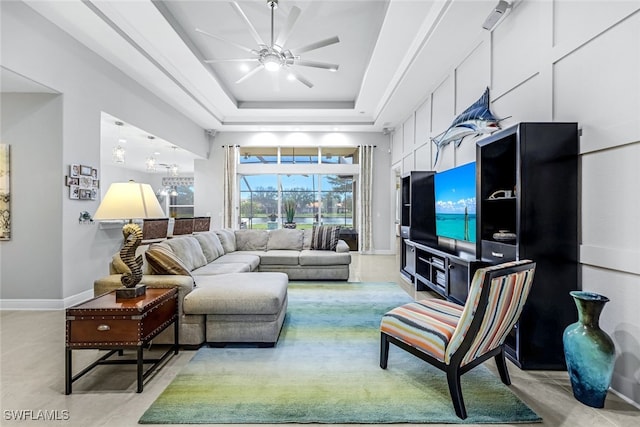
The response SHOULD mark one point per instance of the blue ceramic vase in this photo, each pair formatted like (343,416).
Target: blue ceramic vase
(589,351)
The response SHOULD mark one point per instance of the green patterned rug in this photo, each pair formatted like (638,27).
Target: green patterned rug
(325,369)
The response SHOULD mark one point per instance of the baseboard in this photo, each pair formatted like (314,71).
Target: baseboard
(45,304)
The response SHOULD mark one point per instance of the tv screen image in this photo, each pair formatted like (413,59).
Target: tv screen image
(455,192)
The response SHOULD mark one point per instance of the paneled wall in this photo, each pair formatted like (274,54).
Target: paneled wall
(562,61)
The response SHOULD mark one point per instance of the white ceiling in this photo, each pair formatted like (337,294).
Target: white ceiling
(391,54)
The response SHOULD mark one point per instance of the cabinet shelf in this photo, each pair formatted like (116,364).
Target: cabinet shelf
(539,161)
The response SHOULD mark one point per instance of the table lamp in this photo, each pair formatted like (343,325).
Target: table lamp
(130,200)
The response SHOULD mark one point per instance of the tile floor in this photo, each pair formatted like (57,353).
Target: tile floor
(32,374)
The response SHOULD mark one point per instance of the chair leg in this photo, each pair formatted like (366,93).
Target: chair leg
(502,368)
(384,350)
(453,378)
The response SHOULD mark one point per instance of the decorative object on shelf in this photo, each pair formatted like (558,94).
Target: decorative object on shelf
(83,182)
(5,192)
(130,200)
(501,194)
(504,236)
(85,217)
(475,120)
(589,351)
(273,217)
(290,212)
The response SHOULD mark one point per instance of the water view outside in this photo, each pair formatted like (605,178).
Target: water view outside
(319,199)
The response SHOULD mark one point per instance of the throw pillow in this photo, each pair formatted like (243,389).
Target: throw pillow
(163,261)
(211,246)
(307,234)
(285,239)
(251,240)
(228,239)
(325,237)
(188,250)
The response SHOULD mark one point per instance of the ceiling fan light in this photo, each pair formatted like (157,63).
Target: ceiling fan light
(271,62)
(291,77)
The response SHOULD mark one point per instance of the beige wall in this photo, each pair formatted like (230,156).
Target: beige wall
(563,61)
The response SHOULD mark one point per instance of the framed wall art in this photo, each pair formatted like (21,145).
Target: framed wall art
(5,192)
(83,182)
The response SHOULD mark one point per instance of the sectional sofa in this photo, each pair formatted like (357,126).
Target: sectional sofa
(232,284)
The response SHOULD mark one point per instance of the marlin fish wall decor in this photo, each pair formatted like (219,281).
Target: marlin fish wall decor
(475,120)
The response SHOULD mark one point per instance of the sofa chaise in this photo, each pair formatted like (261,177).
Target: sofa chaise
(232,284)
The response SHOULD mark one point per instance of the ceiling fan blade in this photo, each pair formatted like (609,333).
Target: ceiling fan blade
(325,65)
(250,73)
(252,29)
(301,79)
(285,32)
(215,61)
(222,39)
(316,45)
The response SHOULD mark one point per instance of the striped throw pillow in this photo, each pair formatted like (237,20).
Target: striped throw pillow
(163,261)
(325,237)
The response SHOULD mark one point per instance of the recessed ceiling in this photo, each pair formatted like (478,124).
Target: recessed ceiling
(272,89)
(391,55)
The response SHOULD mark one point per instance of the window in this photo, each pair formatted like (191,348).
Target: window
(319,199)
(321,196)
(339,156)
(260,155)
(258,201)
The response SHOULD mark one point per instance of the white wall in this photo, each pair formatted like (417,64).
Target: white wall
(72,255)
(563,61)
(209,173)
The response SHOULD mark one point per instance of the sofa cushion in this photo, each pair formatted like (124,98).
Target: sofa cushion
(248,258)
(241,294)
(251,240)
(189,251)
(285,239)
(163,261)
(317,257)
(211,246)
(279,257)
(325,237)
(307,237)
(228,239)
(220,268)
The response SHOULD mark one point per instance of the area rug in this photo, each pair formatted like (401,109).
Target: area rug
(325,369)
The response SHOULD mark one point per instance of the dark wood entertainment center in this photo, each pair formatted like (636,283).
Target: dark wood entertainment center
(527,208)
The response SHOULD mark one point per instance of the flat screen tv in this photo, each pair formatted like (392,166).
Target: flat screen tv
(455,194)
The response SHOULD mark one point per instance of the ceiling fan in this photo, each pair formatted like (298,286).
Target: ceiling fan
(274,56)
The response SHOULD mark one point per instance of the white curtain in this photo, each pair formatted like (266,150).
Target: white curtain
(230,170)
(365,217)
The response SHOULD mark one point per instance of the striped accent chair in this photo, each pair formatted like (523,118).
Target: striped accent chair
(458,338)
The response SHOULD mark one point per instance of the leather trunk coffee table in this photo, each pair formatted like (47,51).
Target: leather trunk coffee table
(110,323)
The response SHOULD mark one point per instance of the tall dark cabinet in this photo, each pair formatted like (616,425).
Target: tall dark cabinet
(417,217)
(528,199)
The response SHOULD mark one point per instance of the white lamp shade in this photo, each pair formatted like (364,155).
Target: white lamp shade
(129,200)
